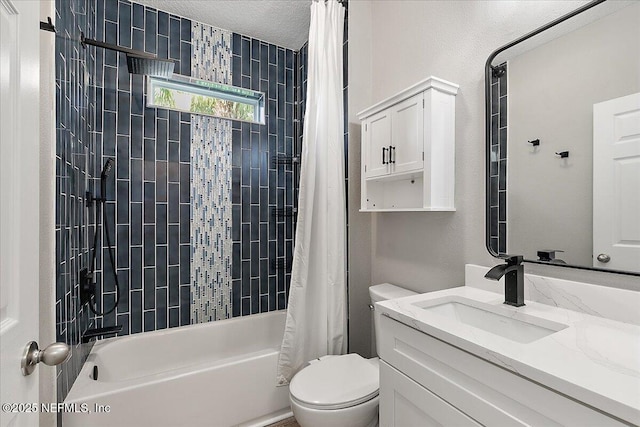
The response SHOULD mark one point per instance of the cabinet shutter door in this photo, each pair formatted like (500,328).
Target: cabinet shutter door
(377,138)
(407,134)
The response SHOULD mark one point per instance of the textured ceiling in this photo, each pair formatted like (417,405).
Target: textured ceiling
(281,22)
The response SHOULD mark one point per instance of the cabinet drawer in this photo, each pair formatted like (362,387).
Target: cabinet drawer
(482,390)
(405,403)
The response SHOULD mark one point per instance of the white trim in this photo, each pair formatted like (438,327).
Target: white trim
(430,82)
(430,209)
(8,5)
(47,265)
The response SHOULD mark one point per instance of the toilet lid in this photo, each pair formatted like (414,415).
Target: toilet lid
(336,382)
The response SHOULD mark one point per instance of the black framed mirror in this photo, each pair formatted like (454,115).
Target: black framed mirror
(563,141)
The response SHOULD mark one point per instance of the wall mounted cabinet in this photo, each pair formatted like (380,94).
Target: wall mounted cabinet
(408,150)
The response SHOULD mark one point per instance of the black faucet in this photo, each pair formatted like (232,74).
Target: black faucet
(513,271)
(100,333)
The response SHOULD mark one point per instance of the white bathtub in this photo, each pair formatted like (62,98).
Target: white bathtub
(213,374)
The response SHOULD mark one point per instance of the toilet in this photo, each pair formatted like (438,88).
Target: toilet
(341,391)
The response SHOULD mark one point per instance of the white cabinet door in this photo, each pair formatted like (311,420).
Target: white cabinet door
(405,403)
(407,135)
(19,205)
(616,183)
(377,138)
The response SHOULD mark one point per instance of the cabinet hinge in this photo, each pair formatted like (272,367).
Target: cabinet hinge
(423,156)
(365,127)
(365,168)
(423,103)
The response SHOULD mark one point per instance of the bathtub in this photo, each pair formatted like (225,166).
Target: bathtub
(212,374)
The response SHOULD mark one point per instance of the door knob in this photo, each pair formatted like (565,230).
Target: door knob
(603,258)
(53,354)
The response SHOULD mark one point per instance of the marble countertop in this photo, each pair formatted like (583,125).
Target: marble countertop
(593,360)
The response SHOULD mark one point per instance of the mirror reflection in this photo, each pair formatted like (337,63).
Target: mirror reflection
(565,143)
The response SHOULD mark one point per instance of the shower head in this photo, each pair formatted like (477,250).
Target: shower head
(137,62)
(150,66)
(106,170)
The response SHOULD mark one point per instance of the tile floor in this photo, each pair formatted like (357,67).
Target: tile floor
(289,422)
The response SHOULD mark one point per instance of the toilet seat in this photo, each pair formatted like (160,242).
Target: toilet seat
(336,382)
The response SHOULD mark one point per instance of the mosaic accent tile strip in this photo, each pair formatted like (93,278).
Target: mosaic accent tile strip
(211,222)
(498,190)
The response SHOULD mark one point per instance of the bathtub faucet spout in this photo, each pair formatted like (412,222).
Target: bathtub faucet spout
(100,333)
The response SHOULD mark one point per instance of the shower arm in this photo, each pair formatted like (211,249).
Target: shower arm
(138,62)
(48,26)
(85,41)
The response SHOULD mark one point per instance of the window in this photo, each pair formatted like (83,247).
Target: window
(197,96)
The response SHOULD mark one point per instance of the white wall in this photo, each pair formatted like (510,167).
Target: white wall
(393,44)
(359,68)
(552,90)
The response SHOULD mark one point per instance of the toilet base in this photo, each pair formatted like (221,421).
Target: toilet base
(362,415)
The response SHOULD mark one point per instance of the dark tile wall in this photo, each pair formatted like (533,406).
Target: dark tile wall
(102,114)
(262,66)
(263,187)
(75,151)
(498,183)
(301,97)
(264,233)
(149,199)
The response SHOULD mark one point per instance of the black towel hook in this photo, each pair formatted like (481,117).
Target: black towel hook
(563,154)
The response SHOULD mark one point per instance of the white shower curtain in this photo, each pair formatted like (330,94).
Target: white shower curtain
(316,314)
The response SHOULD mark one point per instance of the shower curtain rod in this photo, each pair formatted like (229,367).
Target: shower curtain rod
(344,3)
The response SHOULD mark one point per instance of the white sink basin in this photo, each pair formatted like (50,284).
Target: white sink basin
(500,321)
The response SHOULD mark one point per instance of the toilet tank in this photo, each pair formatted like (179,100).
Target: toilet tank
(383,292)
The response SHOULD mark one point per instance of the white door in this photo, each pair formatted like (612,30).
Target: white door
(407,133)
(616,183)
(377,139)
(19,207)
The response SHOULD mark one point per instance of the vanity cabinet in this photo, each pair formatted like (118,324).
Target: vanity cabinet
(408,150)
(434,383)
(407,403)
